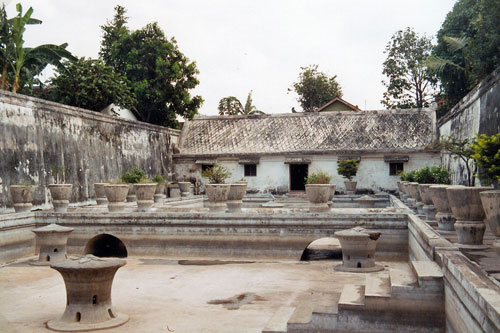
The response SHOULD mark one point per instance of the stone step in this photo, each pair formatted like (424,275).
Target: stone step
(302,314)
(278,322)
(429,274)
(402,279)
(326,304)
(378,285)
(352,297)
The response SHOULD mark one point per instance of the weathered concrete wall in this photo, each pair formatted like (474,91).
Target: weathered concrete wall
(37,134)
(273,174)
(476,113)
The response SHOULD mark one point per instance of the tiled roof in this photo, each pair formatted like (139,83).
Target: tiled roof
(346,131)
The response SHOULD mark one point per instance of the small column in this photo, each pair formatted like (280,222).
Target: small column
(52,240)
(358,250)
(100,194)
(428,208)
(88,283)
(444,218)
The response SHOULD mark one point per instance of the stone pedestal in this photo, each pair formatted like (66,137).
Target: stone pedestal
(145,194)
(412,203)
(465,204)
(160,196)
(185,188)
(350,186)
(174,191)
(428,208)
(358,250)
(491,205)
(444,218)
(51,240)
(419,207)
(100,194)
(61,194)
(235,197)
(88,283)
(116,195)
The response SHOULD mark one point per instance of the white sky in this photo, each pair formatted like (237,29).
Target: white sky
(243,45)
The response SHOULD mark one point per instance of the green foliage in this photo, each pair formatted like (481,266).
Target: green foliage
(21,65)
(477,25)
(424,176)
(217,174)
(427,175)
(487,156)
(319,177)
(409,176)
(90,84)
(441,175)
(158,179)
(232,106)
(348,168)
(133,176)
(462,149)
(58,173)
(160,75)
(410,84)
(315,88)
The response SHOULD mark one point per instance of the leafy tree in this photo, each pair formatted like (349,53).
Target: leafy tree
(410,84)
(487,157)
(464,150)
(348,168)
(315,88)
(477,25)
(21,65)
(232,106)
(90,84)
(160,75)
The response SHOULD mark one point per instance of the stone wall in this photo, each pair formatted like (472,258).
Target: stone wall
(37,135)
(478,112)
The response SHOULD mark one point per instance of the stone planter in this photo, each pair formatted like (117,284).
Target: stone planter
(235,197)
(100,194)
(88,282)
(415,201)
(318,195)
(185,188)
(465,204)
(61,194)
(22,197)
(428,208)
(350,186)
(444,217)
(358,250)
(404,189)
(51,240)
(116,195)
(131,197)
(145,194)
(160,196)
(491,206)
(217,196)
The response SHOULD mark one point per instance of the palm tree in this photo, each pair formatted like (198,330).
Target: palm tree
(231,106)
(20,64)
(249,108)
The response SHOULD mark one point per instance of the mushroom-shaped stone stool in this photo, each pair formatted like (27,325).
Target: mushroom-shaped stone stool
(358,250)
(52,240)
(88,283)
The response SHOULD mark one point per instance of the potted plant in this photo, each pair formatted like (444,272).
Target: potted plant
(145,191)
(22,197)
(100,194)
(235,196)
(487,157)
(131,178)
(426,177)
(217,191)
(60,192)
(348,169)
(318,190)
(185,187)
(116,193)
(160,188)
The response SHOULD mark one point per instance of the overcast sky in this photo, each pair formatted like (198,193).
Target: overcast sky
(259,45)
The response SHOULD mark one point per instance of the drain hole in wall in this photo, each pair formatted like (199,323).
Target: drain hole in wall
(359,265)
(55,250)
(48,258)
(111,314)
(78,316)
(94,299)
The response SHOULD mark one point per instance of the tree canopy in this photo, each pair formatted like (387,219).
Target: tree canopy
(477,24)
(315,88)
(410,84)
(159,74)
(90,84)
(232,106)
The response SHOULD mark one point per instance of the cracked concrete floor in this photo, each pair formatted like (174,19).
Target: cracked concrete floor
(162,295)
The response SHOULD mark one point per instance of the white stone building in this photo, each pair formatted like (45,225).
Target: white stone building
(275,152)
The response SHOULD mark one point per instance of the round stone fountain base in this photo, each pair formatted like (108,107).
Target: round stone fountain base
(61,326)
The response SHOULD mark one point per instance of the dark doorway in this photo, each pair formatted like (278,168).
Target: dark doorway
(105,245)
(298,175)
